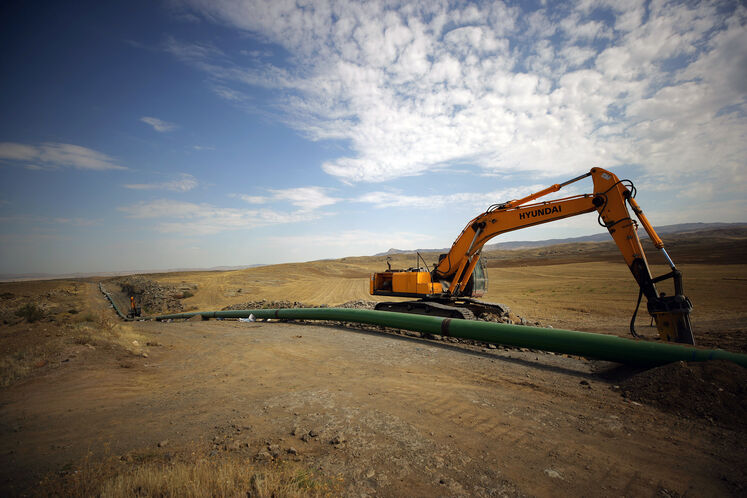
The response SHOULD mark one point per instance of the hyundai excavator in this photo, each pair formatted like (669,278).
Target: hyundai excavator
(460,276)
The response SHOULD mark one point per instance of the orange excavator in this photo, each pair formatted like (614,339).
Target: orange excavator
(460,276)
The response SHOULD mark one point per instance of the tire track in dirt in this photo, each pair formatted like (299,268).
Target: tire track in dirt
(413,412)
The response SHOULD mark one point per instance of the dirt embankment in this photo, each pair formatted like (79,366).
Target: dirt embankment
(152,297)
(714,390)
(716,247)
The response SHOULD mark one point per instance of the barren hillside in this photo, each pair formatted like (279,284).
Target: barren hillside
(91,405)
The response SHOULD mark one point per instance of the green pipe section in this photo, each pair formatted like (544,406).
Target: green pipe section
(587,344)
(114,304)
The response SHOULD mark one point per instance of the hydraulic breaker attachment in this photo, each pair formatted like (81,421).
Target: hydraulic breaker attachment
(672,317)
(672,313)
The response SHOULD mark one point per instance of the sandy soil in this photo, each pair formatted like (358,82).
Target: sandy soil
(379,413)
(410,416)
(601,297)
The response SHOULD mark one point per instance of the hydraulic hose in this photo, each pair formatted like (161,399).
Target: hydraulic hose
(587,344)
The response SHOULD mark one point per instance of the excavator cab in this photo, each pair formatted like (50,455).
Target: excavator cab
(477,285)
(478,282)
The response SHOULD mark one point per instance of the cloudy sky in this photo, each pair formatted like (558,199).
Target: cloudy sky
(197,133)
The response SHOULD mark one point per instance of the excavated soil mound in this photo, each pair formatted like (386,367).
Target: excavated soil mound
(152,296)
(363,305)
(264,304)
(714,390)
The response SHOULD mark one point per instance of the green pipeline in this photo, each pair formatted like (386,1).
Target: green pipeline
(113,303)
(587,344)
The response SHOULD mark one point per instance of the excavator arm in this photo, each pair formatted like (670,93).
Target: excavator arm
(609,199)
(451,276)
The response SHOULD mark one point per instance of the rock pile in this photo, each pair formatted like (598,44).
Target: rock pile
(153,298)
(264,304)
(360,304)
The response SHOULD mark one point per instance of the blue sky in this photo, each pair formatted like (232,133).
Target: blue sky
(195,133)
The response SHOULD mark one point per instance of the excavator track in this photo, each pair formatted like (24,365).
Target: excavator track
(426,308)
(479,307)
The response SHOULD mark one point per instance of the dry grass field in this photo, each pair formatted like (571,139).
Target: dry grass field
(91,405)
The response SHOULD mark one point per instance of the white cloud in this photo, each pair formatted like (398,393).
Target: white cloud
(253,199)
(304,198)
(352,242)
(162,208)
(229,94)
(576,28)
(17,152)
(192,51)
(577,55)
(28,219)
(202,219)
(54,155)
(178,216)
(470,199)
(184,183)
(37,167)
(78,222)
(158,124)
(413,87)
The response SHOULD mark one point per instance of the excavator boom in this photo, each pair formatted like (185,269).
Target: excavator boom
(457,272)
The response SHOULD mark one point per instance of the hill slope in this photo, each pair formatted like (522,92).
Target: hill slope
(597,237)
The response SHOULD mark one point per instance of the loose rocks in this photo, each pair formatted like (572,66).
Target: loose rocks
(263,304)
(153,297)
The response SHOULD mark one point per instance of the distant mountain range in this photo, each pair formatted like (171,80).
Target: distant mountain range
(9,277)
(597,237)
(525,244)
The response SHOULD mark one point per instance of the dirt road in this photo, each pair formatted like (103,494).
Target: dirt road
(387,415)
